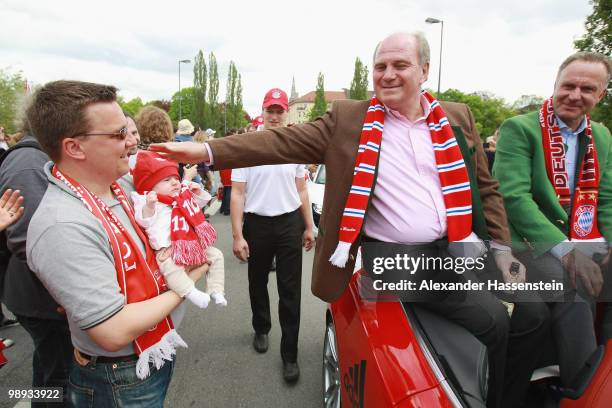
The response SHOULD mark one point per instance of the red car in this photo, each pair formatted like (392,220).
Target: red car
(394,354)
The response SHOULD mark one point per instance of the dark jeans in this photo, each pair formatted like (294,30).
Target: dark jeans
(52,355)
(225,202)
(106,385)
(279,236)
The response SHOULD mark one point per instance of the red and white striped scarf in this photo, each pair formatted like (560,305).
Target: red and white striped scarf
(190,233)
(139,278)
(453,175)
(583,218)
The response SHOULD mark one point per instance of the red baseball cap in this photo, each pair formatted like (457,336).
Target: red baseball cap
(276,96)
(257,121)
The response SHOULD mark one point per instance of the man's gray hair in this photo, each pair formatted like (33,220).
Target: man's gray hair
(422,47)
(588,56)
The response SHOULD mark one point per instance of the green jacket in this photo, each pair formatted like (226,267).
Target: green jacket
(534,213)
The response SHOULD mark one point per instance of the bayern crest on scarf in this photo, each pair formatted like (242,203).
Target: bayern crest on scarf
(583,216)
(451,168)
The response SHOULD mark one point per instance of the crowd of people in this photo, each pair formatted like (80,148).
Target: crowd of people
(400,168)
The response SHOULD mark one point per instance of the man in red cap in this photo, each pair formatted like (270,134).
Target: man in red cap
(271,218)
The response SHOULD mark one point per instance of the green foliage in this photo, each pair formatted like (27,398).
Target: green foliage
(187,97)
(489,111)
(132,106)
(213,114)
(230,95)
(12,92)
(320,105)
(199,90)
(603,111)
(598,38)
(527,103)
(359,85)
(233,100)
(239,114)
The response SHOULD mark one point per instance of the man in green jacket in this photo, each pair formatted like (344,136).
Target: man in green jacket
(554,167)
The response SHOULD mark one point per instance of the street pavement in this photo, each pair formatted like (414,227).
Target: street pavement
(220,367)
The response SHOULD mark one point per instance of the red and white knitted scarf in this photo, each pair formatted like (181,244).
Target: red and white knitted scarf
(449,162)
(583,218)
(190,233)
(139,278)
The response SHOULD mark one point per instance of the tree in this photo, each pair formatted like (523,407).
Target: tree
(598,38)
(199,90)
(214,113)
(239,114)
(187,105)
(230,95)
(527,103)
(233,100)
(488,113)
(320,106)
(12,92)
(359,85)
(132,106)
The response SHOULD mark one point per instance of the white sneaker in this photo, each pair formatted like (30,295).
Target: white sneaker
(198,298)
(219,299)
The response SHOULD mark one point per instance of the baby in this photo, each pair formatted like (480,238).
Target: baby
(170,213)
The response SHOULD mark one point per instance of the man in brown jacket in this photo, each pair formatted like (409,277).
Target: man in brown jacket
(408,205)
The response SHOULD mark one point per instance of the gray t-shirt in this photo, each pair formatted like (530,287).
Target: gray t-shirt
(69,251)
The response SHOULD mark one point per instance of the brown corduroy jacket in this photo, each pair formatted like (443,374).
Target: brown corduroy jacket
(333,140)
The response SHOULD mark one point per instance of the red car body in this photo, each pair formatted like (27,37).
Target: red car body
(397,373)
(383,363)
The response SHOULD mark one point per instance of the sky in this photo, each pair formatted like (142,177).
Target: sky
(505,47)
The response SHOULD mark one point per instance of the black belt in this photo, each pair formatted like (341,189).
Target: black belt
(110,360)
(270,217)
(441,243)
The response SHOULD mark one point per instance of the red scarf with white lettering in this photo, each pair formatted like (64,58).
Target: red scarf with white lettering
(190,233)
(139,278)
(452,172)
(583,218)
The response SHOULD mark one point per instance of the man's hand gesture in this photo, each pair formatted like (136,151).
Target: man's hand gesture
(181,152)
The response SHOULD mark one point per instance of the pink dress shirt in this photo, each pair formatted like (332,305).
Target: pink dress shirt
(407,204)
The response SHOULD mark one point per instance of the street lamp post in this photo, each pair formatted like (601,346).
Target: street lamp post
(180,98)
(431,20)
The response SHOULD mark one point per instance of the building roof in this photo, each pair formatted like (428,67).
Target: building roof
(330,96)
